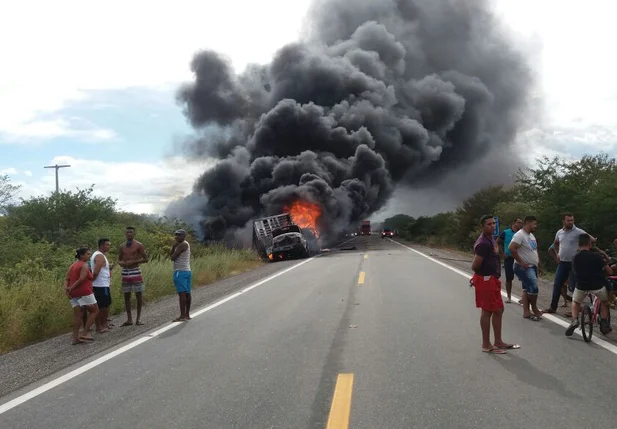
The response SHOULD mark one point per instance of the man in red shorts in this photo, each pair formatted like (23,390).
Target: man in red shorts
(487,268)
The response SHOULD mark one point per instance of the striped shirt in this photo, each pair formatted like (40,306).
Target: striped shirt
(183,262)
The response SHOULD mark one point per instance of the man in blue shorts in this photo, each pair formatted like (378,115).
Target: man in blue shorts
(181,256)
(508,260)
(524,249)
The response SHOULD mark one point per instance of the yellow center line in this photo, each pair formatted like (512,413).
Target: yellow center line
(341,403)
(361,278)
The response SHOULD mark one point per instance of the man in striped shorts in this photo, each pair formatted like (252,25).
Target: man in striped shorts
(132,254)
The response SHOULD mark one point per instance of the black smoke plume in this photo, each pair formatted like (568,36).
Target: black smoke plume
(376,94)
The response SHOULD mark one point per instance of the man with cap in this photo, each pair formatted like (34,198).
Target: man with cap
(180,255)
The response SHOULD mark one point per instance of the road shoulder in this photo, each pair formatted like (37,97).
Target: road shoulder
(462,261)
(37,361)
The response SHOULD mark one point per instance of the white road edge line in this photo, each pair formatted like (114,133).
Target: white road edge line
(604,344)
(66,377)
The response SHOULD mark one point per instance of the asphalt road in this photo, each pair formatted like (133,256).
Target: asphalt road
(404,346)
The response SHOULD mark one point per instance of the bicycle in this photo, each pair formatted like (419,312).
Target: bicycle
(590,315)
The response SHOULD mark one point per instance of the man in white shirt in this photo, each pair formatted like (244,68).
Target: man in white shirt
(101,274)
(524,249)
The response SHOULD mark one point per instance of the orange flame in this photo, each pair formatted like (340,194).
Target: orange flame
(305,215)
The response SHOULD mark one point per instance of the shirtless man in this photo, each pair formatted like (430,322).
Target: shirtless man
(132,254)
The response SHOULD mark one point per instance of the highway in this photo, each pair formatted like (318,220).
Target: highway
(395,334)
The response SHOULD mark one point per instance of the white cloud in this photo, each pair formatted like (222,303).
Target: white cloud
(54,56)
(28,173)
(138,187)
(23,107)
(8,171)
(576,67)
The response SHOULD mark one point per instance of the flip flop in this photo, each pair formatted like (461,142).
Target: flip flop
(180,320)
(139,323)
(126,324)
(74,343)
(86,339)
(509,347)
(495,350)
(533,318)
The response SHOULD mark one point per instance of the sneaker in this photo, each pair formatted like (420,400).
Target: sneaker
(575,324)
(605,328)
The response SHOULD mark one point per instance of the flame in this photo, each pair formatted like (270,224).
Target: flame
(305,214)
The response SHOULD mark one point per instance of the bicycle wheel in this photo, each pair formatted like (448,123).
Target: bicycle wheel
(586,323)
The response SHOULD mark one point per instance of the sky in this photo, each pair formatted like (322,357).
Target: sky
(93,86)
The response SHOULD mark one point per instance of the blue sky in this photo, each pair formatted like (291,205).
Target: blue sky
(110,136)
(103,101)
(141,122)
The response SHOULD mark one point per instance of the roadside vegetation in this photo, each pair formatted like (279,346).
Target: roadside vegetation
(37,245)
(587,188)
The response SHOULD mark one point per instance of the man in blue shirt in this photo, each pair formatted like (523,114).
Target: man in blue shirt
(508,260)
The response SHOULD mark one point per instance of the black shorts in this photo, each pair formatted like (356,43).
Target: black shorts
(508,264)
(103,296)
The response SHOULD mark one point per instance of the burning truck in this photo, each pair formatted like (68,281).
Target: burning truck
(292,234)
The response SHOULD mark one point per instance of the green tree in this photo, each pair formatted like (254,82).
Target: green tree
(481,203)
(398,222)
(8,192)
(60,217)
(586,188)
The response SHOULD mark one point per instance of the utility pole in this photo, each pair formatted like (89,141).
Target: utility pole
(57,167)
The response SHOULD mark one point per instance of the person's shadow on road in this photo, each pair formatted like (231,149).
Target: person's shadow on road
(529,374)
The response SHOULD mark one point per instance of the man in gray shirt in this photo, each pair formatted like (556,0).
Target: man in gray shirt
(565,247)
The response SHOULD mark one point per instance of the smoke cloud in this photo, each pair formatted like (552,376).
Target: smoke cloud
(376,95)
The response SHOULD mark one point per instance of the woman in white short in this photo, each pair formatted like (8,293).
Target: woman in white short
(78,287)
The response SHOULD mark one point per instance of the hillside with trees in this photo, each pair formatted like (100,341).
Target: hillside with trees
(39,238)
(586,187)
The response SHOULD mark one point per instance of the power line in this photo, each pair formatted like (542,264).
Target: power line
(57,167)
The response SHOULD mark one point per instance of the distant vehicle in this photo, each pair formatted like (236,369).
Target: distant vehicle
(277,237)
(365,228)
(387,232)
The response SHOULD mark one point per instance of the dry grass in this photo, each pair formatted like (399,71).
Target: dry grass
(37,308)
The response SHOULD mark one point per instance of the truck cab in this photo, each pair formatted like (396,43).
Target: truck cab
(277,237)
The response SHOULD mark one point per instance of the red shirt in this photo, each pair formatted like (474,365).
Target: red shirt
(85,287)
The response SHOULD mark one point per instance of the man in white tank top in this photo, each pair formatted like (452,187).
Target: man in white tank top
(101,273)
(181,256)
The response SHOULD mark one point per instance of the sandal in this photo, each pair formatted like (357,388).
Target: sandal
(509,347)
(533,318)
(495,350)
